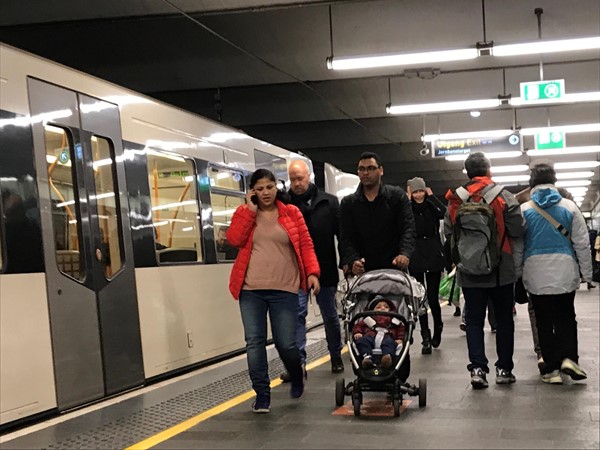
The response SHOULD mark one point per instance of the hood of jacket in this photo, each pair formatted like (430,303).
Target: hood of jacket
(545,195)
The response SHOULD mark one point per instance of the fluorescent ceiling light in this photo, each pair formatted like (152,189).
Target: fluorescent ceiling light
(570,175)
(475,113)
(573,183)
(507,169)
(464,105)
(581,190)
(491,155)
(510,178)
(536,47)
(576,165)
(582,128)
(579,199)
(565,151)
(407,59)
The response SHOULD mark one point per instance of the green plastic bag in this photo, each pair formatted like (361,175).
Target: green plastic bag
(446,287)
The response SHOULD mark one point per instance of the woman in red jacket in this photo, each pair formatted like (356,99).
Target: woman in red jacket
(276,259)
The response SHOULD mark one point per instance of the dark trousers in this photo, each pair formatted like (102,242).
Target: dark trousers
(366,344)
(476,300)
(433,296)
(557,328)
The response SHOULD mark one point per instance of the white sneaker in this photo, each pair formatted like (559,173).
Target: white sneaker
(572,369)
(552,377)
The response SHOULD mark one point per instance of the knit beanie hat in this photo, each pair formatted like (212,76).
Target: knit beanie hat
(416,184)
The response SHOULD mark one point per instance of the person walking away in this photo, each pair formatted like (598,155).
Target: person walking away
(321,214)
(554,251)
(276,259)
(485,263)
(377,227)
(428,260)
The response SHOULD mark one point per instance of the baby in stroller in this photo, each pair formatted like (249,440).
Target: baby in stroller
(380,310)
(379,333)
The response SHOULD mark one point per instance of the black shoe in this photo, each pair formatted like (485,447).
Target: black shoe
(457,312)
(426,349)
(285,377)
(478,379)
(337,365)
(437,335)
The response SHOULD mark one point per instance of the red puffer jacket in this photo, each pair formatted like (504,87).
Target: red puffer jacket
(241,232)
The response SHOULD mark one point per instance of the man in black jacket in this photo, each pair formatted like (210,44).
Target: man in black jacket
(377,227)
(321,214)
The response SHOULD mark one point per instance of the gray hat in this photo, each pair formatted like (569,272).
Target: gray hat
(416,184)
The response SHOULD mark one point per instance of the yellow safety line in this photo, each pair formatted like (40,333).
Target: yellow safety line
(186,425)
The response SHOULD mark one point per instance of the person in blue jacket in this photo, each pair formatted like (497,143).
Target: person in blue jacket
(550,259)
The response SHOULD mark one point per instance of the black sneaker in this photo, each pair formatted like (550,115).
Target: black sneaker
(457,312)
(285,377)
(297,388)
(504,376)
(478,378)
(337,365)
(262,404)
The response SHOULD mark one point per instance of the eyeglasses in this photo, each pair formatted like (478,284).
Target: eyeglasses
(362,169)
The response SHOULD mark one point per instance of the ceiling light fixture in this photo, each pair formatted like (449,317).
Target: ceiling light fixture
(509,178)
(571,175)
(507,169)
(464,105)
(536,47)
(475,113)
(407,59)
(581,128)
(491,155)
(565,151)
(573,183)
(576,165)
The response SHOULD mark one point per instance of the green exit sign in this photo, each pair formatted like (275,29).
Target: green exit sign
(547,91)
(549,140)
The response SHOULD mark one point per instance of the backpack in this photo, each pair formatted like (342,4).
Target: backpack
(474,241)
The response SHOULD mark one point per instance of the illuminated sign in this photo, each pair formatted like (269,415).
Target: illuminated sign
(534,91)
(487,144)
(550,140)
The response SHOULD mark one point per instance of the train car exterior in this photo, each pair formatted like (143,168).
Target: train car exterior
(112,258)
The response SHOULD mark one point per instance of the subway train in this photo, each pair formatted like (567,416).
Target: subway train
(113,267)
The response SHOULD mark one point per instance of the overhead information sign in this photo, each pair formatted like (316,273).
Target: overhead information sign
(534,91)
(489,144)
(550,140)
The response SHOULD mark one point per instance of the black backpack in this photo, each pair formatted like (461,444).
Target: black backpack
(474,241)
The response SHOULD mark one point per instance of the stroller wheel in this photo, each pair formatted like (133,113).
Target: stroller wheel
(422,392)
(340,391)
(356,404)
(356,399)
(397,404)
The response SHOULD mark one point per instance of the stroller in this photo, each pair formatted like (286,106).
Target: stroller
(409,299)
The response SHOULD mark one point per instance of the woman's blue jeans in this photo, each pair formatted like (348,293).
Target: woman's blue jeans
(282,308)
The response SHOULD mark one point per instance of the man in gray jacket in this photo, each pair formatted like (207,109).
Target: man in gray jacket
(497,283)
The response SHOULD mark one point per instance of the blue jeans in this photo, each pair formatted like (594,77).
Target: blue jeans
(282,308)
(476,302)
(333,335)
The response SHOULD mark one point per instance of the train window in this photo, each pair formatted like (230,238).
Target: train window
(228,179)
(103,163)
(224,204)
(63,196)
(175,215)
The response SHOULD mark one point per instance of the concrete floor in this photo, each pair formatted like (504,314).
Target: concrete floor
(527,414)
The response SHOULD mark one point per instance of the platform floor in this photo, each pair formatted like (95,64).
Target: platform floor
(210,408)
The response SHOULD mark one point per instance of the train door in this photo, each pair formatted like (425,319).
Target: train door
(87,245)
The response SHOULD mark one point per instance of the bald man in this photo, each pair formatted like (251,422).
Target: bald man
(321,214)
